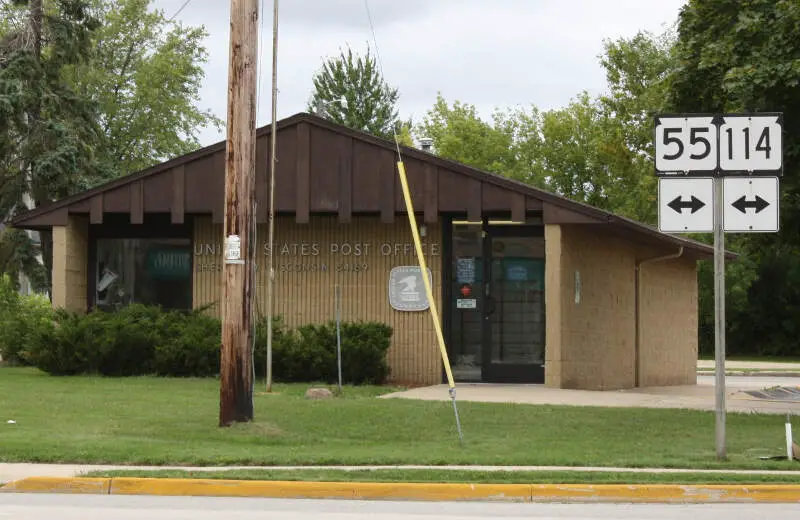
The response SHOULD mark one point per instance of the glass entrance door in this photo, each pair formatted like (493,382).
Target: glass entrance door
(466,301)
(513,331)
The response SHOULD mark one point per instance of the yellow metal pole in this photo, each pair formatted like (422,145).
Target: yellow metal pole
(423,267)
(429,291)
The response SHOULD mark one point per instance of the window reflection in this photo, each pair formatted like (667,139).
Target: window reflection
(146,271)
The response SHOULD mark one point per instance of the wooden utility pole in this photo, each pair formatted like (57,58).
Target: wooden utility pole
(236,370)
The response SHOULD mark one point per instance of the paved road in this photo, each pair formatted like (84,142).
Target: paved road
(95,507)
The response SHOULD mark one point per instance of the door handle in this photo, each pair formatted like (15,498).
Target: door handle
(489,306)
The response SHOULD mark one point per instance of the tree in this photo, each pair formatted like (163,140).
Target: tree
(637,70)
(459,134)
(742,57)
(18,254)
(144,75)
(585,157)
(352,92)
(49,138)
(596,150)
(110,88)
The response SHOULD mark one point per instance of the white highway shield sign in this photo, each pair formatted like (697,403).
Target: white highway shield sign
(685,204)
(685,144)
(751,143)
(751,204)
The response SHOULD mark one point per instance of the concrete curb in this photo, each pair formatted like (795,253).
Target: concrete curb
(654,493)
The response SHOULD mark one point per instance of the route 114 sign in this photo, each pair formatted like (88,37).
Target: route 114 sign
(751,144)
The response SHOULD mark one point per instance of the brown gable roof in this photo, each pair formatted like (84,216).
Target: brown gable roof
(324,167)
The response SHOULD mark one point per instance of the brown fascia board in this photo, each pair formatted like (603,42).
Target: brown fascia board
(21,220)
(505,182)
(519,186)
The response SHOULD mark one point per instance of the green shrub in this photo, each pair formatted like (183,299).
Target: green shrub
(20,318)
(141,340)
(280,335)
(70,344)
(364,347)
(189,345)
(309,353)
(128,340)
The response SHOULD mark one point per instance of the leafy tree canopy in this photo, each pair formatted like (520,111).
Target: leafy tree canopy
(735,56)
(144,75)
(351,91)
(596,150)
(89,90)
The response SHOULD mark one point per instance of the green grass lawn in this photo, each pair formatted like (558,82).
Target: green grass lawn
(504,477)
(174,421)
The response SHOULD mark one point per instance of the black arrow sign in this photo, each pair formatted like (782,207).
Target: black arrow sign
(742,204)
(678,204)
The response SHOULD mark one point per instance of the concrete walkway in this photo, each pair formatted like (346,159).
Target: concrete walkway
(698,397)
(751,368)
(13,471)
(749,365)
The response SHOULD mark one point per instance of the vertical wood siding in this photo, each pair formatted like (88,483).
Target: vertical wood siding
(305,282)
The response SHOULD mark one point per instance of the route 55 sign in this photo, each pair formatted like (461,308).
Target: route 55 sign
(686,144)
(712,145)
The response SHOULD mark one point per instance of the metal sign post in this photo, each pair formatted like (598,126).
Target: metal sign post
(718,172)
(719,322)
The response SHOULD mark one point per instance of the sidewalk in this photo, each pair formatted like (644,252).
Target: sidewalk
(751,368)
(17,471)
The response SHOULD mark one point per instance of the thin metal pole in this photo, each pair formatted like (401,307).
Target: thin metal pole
(338,293)
(455,411)
(273,139)
(719,317)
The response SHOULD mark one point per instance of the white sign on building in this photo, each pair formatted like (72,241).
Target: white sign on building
(407,289)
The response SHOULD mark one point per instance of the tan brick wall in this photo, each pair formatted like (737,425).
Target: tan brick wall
(597,345)
(668,323)
(307,296)
(553,283)
(70,263)
(591,343)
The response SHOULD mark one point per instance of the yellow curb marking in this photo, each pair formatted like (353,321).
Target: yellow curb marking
(412,491)
(95,486)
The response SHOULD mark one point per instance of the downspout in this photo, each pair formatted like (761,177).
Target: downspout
(638,304)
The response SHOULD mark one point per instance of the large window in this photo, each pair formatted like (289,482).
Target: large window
(152,271)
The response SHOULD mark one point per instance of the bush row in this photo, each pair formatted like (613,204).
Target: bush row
(144,340)
(20,318)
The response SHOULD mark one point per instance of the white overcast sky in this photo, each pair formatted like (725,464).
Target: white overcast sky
(490,53)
